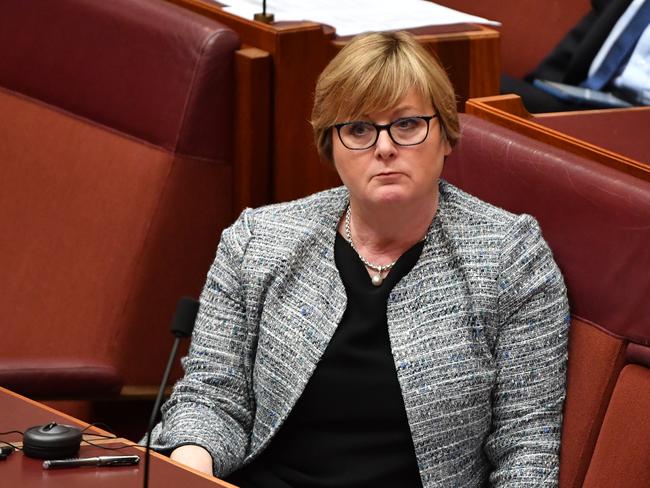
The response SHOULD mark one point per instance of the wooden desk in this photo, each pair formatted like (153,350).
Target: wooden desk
(614,137)
(20,413)
(299,51)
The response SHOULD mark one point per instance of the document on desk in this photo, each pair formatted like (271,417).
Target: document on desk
(351,18)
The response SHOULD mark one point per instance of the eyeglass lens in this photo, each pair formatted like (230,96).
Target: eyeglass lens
(406,131)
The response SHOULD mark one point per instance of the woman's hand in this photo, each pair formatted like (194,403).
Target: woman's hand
(195,457)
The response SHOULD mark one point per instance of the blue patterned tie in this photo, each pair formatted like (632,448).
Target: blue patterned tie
(620,50)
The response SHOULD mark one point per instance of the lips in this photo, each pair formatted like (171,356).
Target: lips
(388,174)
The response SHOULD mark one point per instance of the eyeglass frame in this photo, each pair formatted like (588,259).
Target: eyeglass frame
(386,127)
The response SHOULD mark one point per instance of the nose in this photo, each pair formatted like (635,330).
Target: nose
(385,148)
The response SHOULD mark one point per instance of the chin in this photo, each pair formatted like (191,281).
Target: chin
(391,196)
(402,194)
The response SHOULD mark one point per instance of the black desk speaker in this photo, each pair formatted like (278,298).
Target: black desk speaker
(52,441)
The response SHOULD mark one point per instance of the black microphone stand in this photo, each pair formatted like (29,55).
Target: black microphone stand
(181,327)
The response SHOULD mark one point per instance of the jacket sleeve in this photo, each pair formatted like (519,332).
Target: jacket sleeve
(212,405)
(531,354)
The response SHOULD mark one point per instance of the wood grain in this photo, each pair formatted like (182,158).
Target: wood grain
(508,111)
(253,122)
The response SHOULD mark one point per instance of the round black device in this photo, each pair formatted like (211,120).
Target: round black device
(52,441)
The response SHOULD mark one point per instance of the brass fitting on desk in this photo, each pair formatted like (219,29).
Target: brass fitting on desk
(264,17)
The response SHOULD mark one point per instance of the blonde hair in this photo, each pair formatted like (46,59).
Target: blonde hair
(372,73)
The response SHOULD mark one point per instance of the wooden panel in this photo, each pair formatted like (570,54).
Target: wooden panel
(508,111)
(471,59)
(623,131)
(252,168)
(252,33)
(299,59)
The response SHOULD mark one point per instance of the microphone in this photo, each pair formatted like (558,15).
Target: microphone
(181,327)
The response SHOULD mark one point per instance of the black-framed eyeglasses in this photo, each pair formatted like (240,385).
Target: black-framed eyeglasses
(405,131)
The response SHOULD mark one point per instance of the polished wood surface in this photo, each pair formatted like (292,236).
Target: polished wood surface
(299,52)
(20,413)
(252,165)
(509,111)
(623,131)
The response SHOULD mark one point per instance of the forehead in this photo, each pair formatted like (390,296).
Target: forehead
(411,103)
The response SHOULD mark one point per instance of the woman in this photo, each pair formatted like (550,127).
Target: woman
(394,331)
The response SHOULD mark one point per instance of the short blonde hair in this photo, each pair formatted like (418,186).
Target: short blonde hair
(372,73)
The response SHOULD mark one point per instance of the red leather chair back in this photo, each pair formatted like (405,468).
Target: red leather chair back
(597,222)
(115,182)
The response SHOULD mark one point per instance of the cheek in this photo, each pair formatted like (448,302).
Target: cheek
(438,149)
(340,158)
(344,159)
(337,157)
(433,159)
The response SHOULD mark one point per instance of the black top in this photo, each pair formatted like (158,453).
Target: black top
(349,427)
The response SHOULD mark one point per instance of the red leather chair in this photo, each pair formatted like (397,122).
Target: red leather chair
(597,222)
(115,182)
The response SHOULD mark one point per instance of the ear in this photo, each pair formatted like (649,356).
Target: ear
(447,147)
(445,142)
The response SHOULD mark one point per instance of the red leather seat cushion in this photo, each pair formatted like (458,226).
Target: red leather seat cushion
(622,455)
(595,360)
(45,378)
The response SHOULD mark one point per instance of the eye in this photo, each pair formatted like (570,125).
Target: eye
(359,129)
(406,124)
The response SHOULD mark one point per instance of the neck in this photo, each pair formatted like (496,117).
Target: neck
(385,232)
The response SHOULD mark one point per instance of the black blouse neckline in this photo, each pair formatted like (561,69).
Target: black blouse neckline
(357,275)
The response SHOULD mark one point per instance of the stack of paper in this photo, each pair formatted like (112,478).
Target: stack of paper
(350,18)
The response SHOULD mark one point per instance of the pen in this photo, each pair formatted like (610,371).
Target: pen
(5,451)
(92,461)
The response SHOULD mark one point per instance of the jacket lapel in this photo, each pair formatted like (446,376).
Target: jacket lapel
(302,307)
(439,346)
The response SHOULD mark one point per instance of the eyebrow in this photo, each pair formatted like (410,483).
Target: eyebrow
(399,110)
(404,108)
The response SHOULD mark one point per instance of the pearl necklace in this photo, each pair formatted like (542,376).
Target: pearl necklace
(377,279)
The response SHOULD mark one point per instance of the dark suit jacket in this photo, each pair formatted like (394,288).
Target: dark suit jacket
(570,60)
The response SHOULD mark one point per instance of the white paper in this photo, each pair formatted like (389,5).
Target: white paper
(350,18)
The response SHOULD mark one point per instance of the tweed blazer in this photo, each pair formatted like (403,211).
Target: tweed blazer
(478,332)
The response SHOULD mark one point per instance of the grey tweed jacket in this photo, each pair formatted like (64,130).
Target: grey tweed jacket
(478,332)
